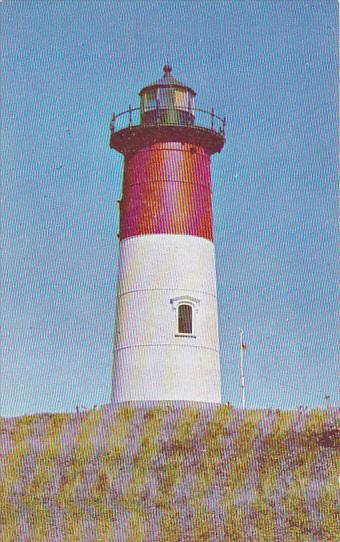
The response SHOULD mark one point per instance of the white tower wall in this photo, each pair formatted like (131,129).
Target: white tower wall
(152,361)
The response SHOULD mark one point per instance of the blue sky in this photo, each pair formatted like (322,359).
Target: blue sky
(271,67)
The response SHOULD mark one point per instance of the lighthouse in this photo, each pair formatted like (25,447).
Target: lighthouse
(166,344)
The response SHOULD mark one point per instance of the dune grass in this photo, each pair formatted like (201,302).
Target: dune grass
(170,472)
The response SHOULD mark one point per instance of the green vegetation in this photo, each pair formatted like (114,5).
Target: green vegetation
(170,472)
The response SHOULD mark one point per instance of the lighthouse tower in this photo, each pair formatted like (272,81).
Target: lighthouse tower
(166,331)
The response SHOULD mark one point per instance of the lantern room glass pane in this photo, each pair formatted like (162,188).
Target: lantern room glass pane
(166,97)
(191,102)
(181,99)
(185,319)
(173,98)
(150,100)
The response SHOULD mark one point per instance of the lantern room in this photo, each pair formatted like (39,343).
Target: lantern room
(166,113)
(167,102)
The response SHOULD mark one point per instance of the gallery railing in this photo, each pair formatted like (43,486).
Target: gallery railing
(166,116)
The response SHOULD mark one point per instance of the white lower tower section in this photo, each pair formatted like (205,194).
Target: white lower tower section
(152,360)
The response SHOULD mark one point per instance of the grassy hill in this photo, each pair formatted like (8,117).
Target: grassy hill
(169,472)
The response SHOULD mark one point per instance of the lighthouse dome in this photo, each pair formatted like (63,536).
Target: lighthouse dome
(167,101)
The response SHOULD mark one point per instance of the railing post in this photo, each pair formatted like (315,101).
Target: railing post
(130,116)
(212,118)
(157,112)
(112,123)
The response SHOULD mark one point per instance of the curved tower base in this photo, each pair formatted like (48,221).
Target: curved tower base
(163,373)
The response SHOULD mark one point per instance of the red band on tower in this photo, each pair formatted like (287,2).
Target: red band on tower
(167,189)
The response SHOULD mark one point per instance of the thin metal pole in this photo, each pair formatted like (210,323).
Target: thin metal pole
(157,110)
(243,386)
(112,123)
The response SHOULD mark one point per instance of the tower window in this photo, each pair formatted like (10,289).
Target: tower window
(185,307)
(185,319)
